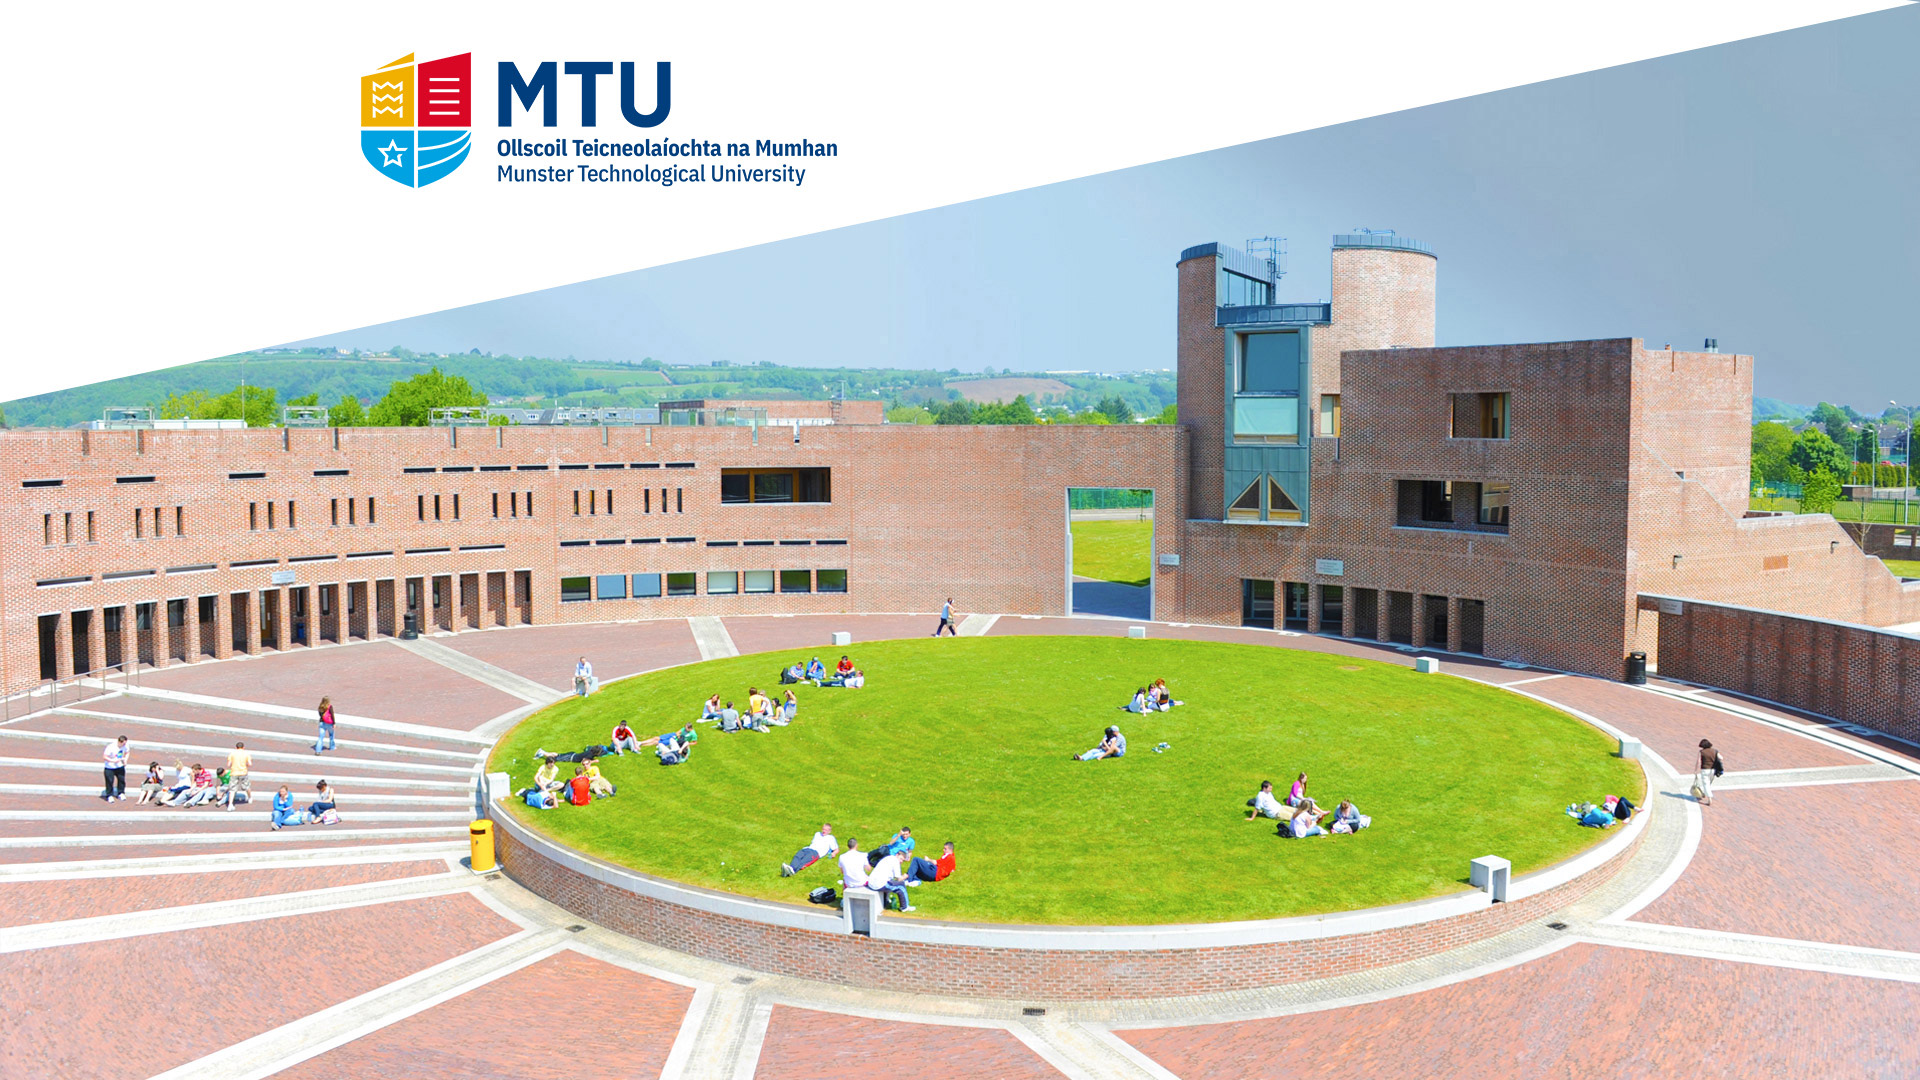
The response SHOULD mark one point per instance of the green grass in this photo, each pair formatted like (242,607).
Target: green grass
(968,740)
(1119,551)
(1906,568)
(1879,511)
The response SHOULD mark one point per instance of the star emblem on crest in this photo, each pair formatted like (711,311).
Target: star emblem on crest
(390,153)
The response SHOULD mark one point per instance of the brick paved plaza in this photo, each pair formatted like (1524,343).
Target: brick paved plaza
(1769,934)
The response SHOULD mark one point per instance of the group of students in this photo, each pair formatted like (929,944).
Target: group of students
(1300,816)
(813,671)
(197,785)
(889,869)
(763,712)
(1153,697)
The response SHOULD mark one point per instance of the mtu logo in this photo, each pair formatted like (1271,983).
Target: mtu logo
(414,119)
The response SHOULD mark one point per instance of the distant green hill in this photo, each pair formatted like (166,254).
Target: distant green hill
(1766,408)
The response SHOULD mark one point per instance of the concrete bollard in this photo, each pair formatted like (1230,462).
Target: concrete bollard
(1136,631)
(842,637)
(860,909)
(1427,665)
(1630,748)
(1490,874)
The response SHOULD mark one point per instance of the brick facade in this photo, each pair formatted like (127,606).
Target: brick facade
(1001,972)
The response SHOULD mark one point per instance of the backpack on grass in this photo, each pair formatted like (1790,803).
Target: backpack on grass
(822,895)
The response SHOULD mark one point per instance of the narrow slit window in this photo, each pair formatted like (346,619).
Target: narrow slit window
(179,521)
(609,500)
(646,501)
(456,506)
(679,500)
(156,522)
(69,526)
(436,508)
(139,524)
(420,507)
(369,509)
(253,518)
(90,533)
(46,529)
(270,510)
(496,504)
(290,524)
(350,502)
(333,511)
(576,502)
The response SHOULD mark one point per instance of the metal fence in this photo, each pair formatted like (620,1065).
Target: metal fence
(71,690)
(1109,499)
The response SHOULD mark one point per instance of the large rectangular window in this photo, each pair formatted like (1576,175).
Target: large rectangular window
(1494,503)
(610,587)
(1237,290)
(722,582)
(1481,415)
(687,584)
(831,580)
(1269,363)
(756,581)
(771,486)
(575,588)
(796,581)
(645,585)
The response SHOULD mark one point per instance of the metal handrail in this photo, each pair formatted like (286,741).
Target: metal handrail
(46,693)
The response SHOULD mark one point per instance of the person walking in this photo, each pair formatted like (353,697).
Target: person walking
(1710,767)
(326,726)
(114,768)
(946,619)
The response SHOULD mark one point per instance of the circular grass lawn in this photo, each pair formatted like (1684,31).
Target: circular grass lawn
(968,739)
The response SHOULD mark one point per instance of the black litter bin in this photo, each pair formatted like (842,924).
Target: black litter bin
(1637,668)
(412,630)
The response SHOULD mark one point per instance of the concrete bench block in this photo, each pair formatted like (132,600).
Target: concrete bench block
(1427,665)
(1490,874)
(842,637)
(1136,631)
(1631,748)
(860,909)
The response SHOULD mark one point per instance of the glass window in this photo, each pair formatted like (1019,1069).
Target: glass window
(735,487)
(1247,506)
(1436,501)
(1280,506)
(1330,415)
(796,581)
(772,487)
(831,580)
(143,616)
(176,613)
(722,582)
(1270,363)
(1493,416)
(575,588)
(646,585)
(610,587)
(1494,500)
(683,584)
(1266,419)
(757,581)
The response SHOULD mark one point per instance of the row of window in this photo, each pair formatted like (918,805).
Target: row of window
(719,583)
(80,526)
(594,505)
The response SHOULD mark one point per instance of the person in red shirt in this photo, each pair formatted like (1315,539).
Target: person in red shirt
(623,739)
(928,870)
(579,789)
(844,668)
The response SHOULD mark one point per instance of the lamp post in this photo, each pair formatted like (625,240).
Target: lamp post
(1906,478)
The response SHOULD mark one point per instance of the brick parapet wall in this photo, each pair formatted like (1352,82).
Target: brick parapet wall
(1027,974)
(1852,673)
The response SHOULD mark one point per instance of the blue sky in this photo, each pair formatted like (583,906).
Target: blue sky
(1765,192)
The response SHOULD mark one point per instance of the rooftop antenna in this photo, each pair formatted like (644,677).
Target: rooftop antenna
(1275,249)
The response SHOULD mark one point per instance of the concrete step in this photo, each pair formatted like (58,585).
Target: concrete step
(15,736)
(34,770)
(107,725)
(245,834)
(302,728)
(119,813)
(87,797)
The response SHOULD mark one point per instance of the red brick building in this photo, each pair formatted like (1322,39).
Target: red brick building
(1332,471)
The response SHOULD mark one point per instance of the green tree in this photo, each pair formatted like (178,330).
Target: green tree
(1116,409)
(411,403)
(1838,425)
(305,399)
(1813,452)
(1772,443)
(1171,415)
(257,405)
(1091,416)
(908,414)
(349,413)
(1819,493)
(954,412)
(1019,412)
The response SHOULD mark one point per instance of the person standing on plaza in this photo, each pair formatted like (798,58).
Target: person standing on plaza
(326,726)
(946,619)
(238,763)
(114,760)
(583,678)
(1710,767)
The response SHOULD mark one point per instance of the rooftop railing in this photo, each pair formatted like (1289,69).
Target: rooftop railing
(1275,313)
(1380,240)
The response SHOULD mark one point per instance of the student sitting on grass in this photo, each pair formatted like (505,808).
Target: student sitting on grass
(1306,821)
(682,735)
(792,673)
(1299,792)
(1348,819)
(853,867)
(1264,804)
(729,718)
(676,749)
(711,710)
(599,785)
(1114,745)
(1139,702)
(789,708)
(822,846)
(816,671)
(889,881)
(842,672)
(1159,697)
(855,679)
(900,844)
(622,739)
(580,789)
(919,869)
(546,778)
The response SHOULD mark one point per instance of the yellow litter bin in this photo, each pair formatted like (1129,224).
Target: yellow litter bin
(480,836)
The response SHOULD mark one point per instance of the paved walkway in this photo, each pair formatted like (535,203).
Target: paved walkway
(1769,934)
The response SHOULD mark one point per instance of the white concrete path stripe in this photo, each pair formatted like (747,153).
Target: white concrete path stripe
(222,912)
(1772,952)
(1835,774)
(229,861)
(308,716)
(711,637)
(976,625)
(1816,732)
(340,780)
(257,735)
(219,753)
(1076,1051)
(480,671)
(129,817)
(303,834)
(62,791)
(288,1045)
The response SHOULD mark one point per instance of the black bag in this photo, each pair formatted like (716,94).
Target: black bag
(1719,766)
(823,895)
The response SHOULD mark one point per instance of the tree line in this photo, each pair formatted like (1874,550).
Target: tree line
(407,403)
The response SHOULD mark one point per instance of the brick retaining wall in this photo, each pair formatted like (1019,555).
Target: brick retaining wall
(1028,974)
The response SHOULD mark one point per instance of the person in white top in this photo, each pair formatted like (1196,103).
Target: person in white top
(1264,804)
(853,866)
(889,881)
(114,767)
(823,846)
(583,677)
